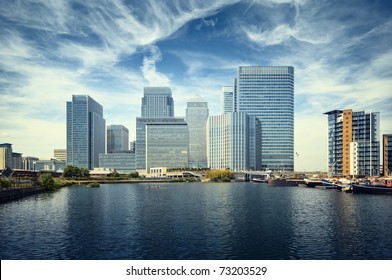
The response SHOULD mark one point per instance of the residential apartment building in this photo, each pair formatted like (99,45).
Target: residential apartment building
(353,143)
(387,154)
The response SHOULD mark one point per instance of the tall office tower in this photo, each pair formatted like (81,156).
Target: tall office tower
(227,99)
(267,92)
(387,154)
(196,117)
(6,156)
(228,137)
(166,145)
(17,162)
(353,143)
(85,132)
(140,146)
(157,102)
(117,139)
(60,154)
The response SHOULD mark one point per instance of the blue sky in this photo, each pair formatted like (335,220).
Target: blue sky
(51,49)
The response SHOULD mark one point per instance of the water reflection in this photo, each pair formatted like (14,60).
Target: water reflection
(196,221)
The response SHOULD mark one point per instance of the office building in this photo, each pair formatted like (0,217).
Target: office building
(140,145)
(123,162)
(227,99)
(167,145)
(353,143)
(49,165)
(17,162)
(6,160)
(117,139)
(86,131)
(28,163)
(196,118)
(228,137)
(267,93)
(60,154)
(157,102)
(387,154)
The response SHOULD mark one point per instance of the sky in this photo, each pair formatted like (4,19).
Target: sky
(341,51)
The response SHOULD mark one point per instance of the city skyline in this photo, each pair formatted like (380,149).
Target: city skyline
(341,52)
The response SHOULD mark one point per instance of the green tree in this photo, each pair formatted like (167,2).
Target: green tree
(75,172)
(46,180)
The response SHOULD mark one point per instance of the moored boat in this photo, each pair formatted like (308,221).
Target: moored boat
(284,182)
(312,183)
(372,188)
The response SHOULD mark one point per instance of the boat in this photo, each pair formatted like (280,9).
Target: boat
(258,180)
(328,183)
(312,183)
(374,188)
(284,182)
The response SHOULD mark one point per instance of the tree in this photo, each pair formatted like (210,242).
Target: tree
(46,181)
(75,172)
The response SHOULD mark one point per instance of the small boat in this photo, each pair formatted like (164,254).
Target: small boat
(312,183)
(258,180)
(372,188)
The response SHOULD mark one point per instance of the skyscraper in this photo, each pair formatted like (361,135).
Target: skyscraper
(227,99)
(353,143)
(140,146)
(267,92)
(85,132)
(196,117)
(157,102)
(117,139)
(228,137)
(166,145)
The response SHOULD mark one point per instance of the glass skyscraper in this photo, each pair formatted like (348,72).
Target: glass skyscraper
(166,145)
(117,139)
(196,118)
(140,146)
(227,99)
(267,93)
(85,132)
(157,102)
(228,137)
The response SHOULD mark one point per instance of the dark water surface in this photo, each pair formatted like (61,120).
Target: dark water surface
(197,221)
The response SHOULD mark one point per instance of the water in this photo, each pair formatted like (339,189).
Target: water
(197,221)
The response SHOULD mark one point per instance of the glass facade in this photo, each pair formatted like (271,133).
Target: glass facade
(157,102)
(140,145)
(227,99)
(267,92)
(196,118)
(117,138)
(121,162)
(228,141)
(85,132)
(166,145)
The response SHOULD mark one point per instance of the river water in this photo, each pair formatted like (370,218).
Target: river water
(197,221)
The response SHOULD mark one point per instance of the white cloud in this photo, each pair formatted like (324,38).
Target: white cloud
(149,69)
